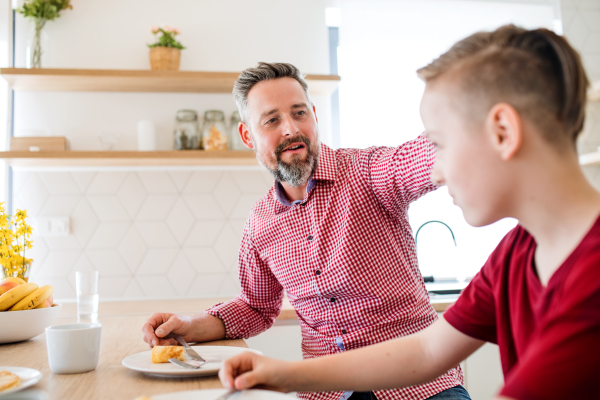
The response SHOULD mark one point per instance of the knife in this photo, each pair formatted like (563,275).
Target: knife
(227,394)
(188,350)
(183,364)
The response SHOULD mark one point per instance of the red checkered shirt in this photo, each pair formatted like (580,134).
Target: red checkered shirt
(346,257)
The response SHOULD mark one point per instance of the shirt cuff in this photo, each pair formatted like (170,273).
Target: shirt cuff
(234,315)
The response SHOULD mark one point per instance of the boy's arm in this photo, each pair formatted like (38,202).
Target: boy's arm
(401,362)
(399,175)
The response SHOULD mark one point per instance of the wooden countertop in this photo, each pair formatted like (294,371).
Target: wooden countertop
(121,336)
(193,306)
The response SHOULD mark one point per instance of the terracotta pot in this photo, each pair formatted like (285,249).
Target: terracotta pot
(164,58)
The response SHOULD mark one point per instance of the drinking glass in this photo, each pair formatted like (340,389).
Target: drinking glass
(87,295)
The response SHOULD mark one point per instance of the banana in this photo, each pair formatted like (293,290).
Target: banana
(34,299)
(14,295)
(13,279)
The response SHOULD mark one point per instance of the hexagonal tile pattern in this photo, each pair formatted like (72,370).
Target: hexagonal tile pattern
(38,254)
(133,291)
(156,287)
(132,194)
(108,262)
(106,182)
(206,285)
(182,274)
(59,206)
(157,262)
(204,259)
(63,243)
(227,247)
(180,178)
(157,182)
(204,206)
(33,195)
(593,42)
(58,264)
(108,208)
(227,193)
(108,235)
(59,183)
(112,287)
(230,287)
(83,222)
(19,178)
(83,264)
(202,182)
(180,220)
(132,248)
(204,233)
(252,182)
(156,207)
(244,206)
(83,179)
(156,234)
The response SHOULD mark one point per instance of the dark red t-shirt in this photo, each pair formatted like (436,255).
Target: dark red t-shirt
(549,337)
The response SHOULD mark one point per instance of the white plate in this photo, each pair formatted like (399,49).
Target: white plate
(28,377)
(213,354)
(212,394)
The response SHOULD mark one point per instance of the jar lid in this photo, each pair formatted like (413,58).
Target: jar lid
(212,115)
(186,115)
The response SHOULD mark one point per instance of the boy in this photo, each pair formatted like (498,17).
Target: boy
(503,109)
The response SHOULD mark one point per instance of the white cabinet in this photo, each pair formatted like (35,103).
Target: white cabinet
(483,373)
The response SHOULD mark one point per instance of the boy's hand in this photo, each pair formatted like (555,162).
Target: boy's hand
(248,370)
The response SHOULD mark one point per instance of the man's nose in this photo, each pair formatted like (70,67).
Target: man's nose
(436,175)
(289,127)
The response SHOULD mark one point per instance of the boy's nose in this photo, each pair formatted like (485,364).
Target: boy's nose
(436,176)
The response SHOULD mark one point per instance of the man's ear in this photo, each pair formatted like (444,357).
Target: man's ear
(315,112)
(245,135)
(504,128)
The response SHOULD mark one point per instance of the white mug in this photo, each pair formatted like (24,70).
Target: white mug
(73,348)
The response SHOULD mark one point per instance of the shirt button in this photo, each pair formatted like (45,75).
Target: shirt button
(317,272)
(310,237)
(332,299)
(344,331)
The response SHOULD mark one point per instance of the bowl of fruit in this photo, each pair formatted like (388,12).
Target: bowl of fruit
(25,309)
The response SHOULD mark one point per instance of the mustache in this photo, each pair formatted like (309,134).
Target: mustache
(287,142)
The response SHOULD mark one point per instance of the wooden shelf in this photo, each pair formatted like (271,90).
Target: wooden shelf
(96,80)
(128,158)
(594,92)
(590,158)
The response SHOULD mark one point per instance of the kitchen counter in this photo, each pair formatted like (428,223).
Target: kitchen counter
(193,306)
(121,336)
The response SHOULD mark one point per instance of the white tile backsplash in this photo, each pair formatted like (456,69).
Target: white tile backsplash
(150,233)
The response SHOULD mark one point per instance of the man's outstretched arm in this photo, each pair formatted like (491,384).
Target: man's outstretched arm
(402,362)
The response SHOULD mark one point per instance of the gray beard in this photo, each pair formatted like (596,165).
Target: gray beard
(297,172)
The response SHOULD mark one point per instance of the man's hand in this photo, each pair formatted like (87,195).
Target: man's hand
(249,370)
(159,325)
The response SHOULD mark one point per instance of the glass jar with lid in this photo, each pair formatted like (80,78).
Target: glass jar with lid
(187,130)
(214,133)
(234,135)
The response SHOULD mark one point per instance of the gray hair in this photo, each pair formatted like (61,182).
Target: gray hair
(264,72)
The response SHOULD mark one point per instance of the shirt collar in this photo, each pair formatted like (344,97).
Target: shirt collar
(326,170)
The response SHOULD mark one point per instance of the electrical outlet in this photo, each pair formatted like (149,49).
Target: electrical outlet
(52,226)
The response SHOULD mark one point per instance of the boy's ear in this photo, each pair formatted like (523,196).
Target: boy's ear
(245,135)
(503,124)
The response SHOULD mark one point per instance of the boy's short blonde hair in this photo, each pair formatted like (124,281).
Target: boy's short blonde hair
(536,71)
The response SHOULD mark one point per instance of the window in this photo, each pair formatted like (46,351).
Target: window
(382,44)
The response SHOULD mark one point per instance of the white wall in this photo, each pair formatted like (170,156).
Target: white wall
(152,232)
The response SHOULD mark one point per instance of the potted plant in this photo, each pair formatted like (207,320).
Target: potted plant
(165,54)
(40,11)
(14,235)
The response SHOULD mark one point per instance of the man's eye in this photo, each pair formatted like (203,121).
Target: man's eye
(271,121)
(301,113)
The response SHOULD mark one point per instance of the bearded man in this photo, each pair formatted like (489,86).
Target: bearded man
(332,232)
